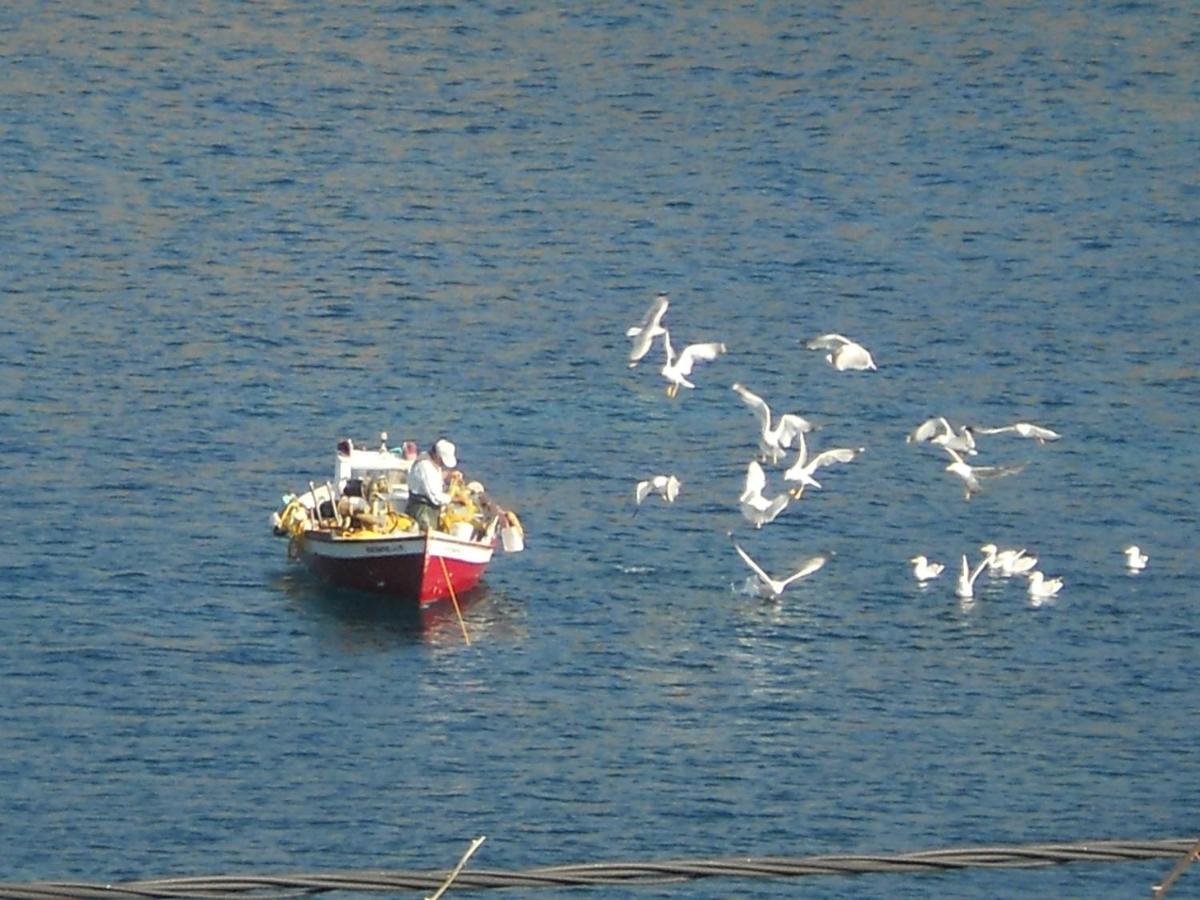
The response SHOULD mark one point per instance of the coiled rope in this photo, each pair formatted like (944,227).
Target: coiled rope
(619,873)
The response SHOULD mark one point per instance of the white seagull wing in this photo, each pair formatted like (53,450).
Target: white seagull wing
(693,353)
(651,327)
(924,431)
(836,455)
(756,403)
(827,342)
(754,567)
(671,488)
(791,425)
(810,566)
(756,480)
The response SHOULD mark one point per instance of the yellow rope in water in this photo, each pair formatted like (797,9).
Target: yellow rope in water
(454,598)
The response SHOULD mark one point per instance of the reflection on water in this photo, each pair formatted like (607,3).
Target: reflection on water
(361,620)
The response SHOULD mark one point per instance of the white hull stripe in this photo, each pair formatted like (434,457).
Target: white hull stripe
(476,554)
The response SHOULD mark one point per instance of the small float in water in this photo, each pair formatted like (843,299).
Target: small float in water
(353,532)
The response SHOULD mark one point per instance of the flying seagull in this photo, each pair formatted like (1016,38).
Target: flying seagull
(758,509)
(802,469)
(773,587)
(677,368)
(938,430)
(843,353)
(665,485)
(651,327)
(1024,429)
(773,440)
(970,475)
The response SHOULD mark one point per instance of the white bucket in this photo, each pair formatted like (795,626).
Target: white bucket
(464,531)
(512,538)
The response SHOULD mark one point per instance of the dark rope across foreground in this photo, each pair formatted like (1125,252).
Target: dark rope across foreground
(620,873)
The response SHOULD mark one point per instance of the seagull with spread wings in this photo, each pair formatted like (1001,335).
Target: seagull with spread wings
(773,587)
(964,585)
(938,430)
(773,440)
(677,368)
(666,485)
(971,475)
(802,469)
(1023,429)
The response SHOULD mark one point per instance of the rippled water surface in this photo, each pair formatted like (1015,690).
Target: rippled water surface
(233,233)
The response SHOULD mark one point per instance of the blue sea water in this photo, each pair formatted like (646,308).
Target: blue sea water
(234,232)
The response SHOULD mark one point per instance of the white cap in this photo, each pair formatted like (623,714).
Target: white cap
(445,451)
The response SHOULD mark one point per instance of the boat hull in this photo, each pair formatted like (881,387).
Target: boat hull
(420,568)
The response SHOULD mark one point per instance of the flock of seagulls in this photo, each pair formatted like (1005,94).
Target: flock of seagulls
(781,436)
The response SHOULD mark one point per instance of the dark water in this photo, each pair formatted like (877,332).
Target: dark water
(232,233)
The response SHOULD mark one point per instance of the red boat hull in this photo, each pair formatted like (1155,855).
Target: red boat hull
(421,568)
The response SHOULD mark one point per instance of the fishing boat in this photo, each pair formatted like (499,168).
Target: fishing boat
(352,531)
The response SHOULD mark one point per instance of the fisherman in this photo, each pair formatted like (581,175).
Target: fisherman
(427,494)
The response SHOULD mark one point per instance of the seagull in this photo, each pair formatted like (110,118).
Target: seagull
(1135,559)
(758,509)
(774,587)
(802,469)
(665,485)
(1025,430)
(938,430)
(677,368)
(651,327)
(925,569)
(773,441)
(1041,587)
(964,586)
(970,475)
(1008,562)
(843,352)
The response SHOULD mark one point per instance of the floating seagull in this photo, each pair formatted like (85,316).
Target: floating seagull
(757,509)
(1008,562)
(925,569)
(802,469)
(1025,430)
(964,586)
(843,352)
(651,327)
(938,430)
(1041,587)
(774,587)
(1135,559)
(677,368)
(665,485)
(970,475)
(773,441)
